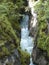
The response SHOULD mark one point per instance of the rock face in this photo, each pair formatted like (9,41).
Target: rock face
(13,59)
(33,31)
(40,57)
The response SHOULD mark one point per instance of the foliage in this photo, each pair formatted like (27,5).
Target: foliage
(10,15)
(24,56)
(42,9)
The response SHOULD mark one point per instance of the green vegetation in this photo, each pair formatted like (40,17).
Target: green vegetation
(42,9)
(10,15)
(25,57)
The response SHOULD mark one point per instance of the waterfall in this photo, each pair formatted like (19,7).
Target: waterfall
(27,42)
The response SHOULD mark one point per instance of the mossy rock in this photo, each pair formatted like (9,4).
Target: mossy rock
(24,57)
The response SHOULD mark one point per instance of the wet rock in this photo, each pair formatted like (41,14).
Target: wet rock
(13,59)
(39,56)
(33,30)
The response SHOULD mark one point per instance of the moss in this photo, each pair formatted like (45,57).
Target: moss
(7,36)
(5,51)
(11,48)
(1,54)
(43,37)
(43,16)
(10,15)
(24,57)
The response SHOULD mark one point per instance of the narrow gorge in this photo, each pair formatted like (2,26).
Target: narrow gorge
(24,32)
(38,54)
(27,42)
